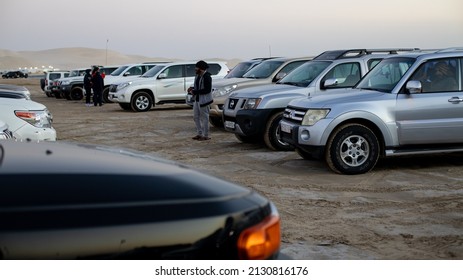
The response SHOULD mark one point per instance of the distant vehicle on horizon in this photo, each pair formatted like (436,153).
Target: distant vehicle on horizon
(14,75)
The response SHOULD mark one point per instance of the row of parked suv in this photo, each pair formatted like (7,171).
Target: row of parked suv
(352,107)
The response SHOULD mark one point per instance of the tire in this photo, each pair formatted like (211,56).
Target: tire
(141,102)
(352,149)
(216,122)
(106,95)
(77,93)
(272,134)
(126,106)
(248,139)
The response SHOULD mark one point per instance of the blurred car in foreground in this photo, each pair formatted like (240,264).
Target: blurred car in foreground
(14,91)
(5,133)
(73,201)
(27,119)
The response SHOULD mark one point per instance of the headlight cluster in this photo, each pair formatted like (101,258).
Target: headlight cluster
(123,85)
(41,119)
(312,116)
(224,90)
(251,103)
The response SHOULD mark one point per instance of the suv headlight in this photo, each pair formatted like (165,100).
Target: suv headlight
(251,103)
(312,116)
(123,85)
(224,90)
(41,119)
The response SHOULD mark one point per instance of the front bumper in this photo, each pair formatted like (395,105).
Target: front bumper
(247,122)
(29,132)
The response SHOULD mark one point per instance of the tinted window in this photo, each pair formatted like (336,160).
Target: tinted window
(190,70)
(440,75)
(173,72)
(263,70)
(386,75)
(118,71)
(214,68)
(304,74)
(347,75)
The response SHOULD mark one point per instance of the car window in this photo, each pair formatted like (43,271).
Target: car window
(54,76)
(347,74)
(288,68)
(385,76)
(214,68)
(239,70)
(439,75)
(118,71)
(263,70)
(190,70)
(175,71)
(135,71)
(303,75)
(373,62)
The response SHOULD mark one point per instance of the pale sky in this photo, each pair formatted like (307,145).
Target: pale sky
(192,29)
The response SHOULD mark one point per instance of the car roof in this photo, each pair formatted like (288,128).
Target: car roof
(354,53)
(434,53)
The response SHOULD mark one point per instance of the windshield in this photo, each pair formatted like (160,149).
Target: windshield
(118,71)
(263,70)
(303,75)
(385,76)
(153,71)
(239,70)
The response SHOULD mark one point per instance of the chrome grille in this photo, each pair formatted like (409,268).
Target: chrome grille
(294,115)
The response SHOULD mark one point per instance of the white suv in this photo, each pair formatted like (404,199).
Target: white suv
(125,73)
(165,83)
(27,119)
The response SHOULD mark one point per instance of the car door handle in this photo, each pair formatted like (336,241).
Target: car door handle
(455,99)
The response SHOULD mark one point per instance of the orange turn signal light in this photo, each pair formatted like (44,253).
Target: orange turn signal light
(260,241)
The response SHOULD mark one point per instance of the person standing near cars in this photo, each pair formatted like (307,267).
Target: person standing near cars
(202,97)
(97,86)
(87,87)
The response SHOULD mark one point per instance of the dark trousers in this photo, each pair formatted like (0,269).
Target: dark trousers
(88,93)
(97,97)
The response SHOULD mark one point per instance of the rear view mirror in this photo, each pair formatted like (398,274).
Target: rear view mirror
(162,76)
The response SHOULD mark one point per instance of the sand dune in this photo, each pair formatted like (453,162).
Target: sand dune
(69,58)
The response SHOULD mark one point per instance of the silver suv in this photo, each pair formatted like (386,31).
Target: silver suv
(267,72)
(408,104)
(253,114)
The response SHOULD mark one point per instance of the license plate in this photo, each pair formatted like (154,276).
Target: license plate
(229,124)
(286,127)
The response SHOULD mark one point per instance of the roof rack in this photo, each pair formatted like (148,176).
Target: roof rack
(352,53)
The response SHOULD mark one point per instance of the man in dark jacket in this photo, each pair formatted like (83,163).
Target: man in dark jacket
(202,96)
(88,87)
(97,85)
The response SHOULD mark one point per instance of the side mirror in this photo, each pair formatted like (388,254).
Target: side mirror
(414,87)
(126,74)
(329,83)
(162,76)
